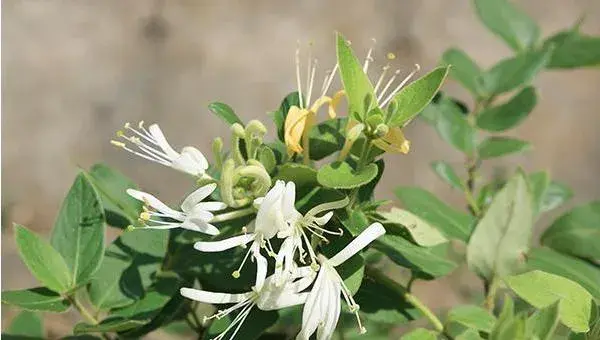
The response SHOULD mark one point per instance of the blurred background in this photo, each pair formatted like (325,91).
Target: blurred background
(73,72)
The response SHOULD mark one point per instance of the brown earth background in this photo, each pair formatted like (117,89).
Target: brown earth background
(74,71)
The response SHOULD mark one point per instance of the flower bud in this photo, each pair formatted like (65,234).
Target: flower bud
(381,130)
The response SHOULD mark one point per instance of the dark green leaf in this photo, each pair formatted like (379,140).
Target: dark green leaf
(493,147)
(556,194)
(340,175)
(279,116)
(256,323)
(121,209)
(452,125)
(78,233)
(464,69)
(355,222)
(577,232)
(473,317)
(44,262)
(366,193)
(514,72)
(501,239)
(447,174)
(108,325)
(422,203)
(573,49)
(26,324)
(36,299)
(327,138)
(587,275)
(381,304)
(266,157)
(357,85)
(413,98)
(542,323)
(305,177)
(225,112)
(420,334)
(509,114)
(508,22)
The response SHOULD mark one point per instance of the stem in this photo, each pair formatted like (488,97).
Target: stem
(362,161)
(233,215)
(82,310)
(490,298)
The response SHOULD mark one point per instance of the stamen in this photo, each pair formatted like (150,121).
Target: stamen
(380,80)
(387,86)
(330,80)
(397,89)
(145,215)
(308,72)
(298,80)
(311,82)
(368,59)
(241,264)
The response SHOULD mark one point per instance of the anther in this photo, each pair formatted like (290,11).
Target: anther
(117,144)
(391,56)
(315,266)
(236,274)
(145,216)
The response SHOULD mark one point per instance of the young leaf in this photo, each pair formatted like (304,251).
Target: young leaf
(420,334)
(573,49)
(542,323)
(556,194)
(340,175)
(447,173)
(423,234)
(107,325)
(577,232)
(514,72)
(78,233)
(452,126)
(121,209)
(538,183)
(541,289)
(36,299)
(508,22)
(356,83)
(26,325)
(502,236)
(509,114)
(493,147)
(413,98)
(327,138)
(300,174)
(550,261)
(472,317)
(422,203)
(225,112)
(463,69)
(44,262)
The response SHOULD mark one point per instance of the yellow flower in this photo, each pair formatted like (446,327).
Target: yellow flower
(394,141)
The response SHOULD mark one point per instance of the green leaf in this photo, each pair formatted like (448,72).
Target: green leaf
(43,261)
(327,138)
(469,334)
(538,183)
(340,175)
(556,194)
(355,222)
(266,157)
(78,233)
(280,114)
(130,262)
(120,209)
(384,305)
(452,126)
(548,260)
(256,323)
(542,323)
(432,261)
(573,49)
(541,289)
(508,22)
(452,223)
(367,192)
(356,83)
(420,334)
(36,299)
(472,317)
(413,98)
(26,324)
(108,325)
(464,69)
(509,114)
(577,232)
(493,147)
(225,112)
(514,72)
(305,177)
(422,233)
(447,174)
(502,236)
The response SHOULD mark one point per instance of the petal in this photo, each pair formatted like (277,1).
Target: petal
(187,164)
(261,267)
(324,219)
(326,329)
(160,139)
(295,122)
(269,218)
(284,250)
(200,214)
(212,206)
(197,196)
(312,313)
(289,199)
(155,203)
(212,297)
(196,156)
(367,236)
(300,285)
(200,226)
(285,301)
(225,244)
(328,206)
(335,100)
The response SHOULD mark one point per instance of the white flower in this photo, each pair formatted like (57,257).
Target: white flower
(322,308)
(275,209)
(152,145)
(296,236)
(269,297)
(194,214)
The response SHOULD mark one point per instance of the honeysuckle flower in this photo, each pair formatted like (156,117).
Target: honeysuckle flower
(274,212)
(301,118)
(269,297)
(322,308)
(152,145)
(393,141)
(297,233)
(194,215)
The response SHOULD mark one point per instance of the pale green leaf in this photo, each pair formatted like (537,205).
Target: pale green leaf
(574,49)
(469,334)
(420,334)
(556,194)
(27,325)
(493,147)
(472,317)
(538,183)
(225,112)
(463,69)
(542,324)
(340,175)
(447,173)
(452,125)
(424,234)
(510,114)
(36,299)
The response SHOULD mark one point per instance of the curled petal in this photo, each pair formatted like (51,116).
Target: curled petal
(212,297)
(361,241)
(160,139)
(394,141)
(228,243)
(294,127)
(155,203)
(197,196)
(200,226)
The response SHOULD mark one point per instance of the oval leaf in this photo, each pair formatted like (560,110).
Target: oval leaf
(493,147)
(225,112)
(542,323)
(472,317)
(340,175)
(26,325)
(573,49)
(44,262)
(447,174)
(420,334)
(509,114)
(423,234)
(36,299)
(463,69)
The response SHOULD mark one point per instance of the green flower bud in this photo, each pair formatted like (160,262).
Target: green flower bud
(381,130)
